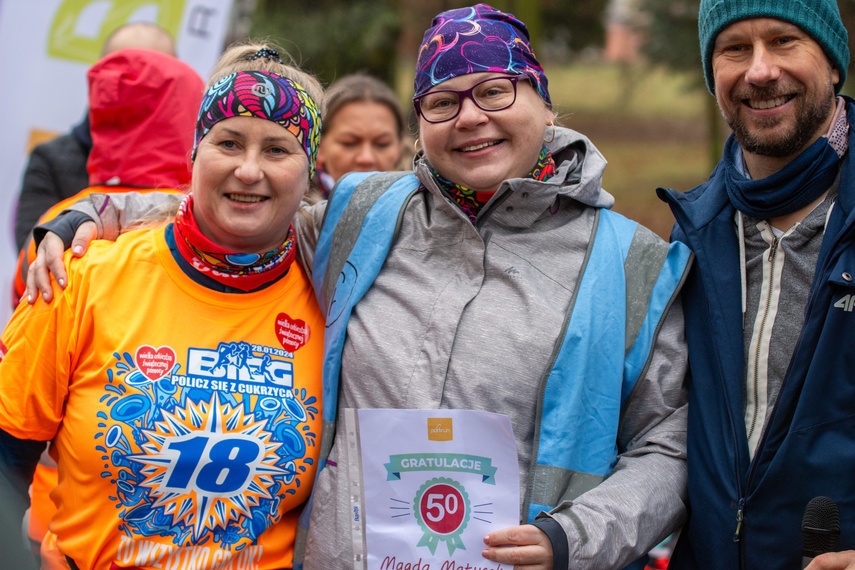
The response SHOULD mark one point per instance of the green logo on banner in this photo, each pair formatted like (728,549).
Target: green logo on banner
(65,41)
(458,462)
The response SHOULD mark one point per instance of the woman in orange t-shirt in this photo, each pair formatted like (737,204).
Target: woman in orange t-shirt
(179,375)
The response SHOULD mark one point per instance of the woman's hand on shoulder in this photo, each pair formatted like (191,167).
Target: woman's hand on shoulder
(49,261)
(524,546)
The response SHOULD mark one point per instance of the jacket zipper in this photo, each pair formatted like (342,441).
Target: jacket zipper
(740,510)
(482,217)
(756,372)
(740,516)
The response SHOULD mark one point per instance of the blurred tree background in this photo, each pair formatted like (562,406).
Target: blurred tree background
(626,73)
(670,31)
(332,38)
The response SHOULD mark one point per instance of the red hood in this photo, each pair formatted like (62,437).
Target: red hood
(142,114)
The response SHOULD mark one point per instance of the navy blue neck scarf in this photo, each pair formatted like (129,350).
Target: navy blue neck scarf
(790,189)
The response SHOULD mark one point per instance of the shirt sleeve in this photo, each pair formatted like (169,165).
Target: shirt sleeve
(114,212)
(644,498)
(558,540)
(34,367)
(65,225)
(36,355)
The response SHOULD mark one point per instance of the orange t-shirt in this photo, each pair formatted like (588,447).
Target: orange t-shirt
(186,421)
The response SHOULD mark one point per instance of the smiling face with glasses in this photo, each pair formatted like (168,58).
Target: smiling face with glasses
(481,129)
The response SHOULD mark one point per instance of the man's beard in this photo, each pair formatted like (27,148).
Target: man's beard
(810,117)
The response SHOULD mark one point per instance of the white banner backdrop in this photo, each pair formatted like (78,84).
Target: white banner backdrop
(47,46)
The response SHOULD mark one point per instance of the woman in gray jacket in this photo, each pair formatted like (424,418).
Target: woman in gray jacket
(502,282)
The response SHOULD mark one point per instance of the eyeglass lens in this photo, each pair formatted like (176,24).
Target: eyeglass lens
(490,95)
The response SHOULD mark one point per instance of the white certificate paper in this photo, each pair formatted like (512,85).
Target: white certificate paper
(434,483)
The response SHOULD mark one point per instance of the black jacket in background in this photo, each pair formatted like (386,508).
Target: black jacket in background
(56,170)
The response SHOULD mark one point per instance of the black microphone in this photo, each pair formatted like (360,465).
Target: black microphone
(820,528)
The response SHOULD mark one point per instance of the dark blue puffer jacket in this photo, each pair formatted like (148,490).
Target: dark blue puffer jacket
(809,446)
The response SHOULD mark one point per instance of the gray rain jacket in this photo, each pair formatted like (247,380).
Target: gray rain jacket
(467,317)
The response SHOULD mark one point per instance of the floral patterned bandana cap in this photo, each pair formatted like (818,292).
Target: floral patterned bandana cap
(266,96)
(477,39)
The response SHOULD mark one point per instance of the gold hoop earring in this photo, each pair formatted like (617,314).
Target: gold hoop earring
(552,138)
(416,146)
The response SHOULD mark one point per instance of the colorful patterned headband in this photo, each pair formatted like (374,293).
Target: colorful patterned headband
(476,39)
(267,96)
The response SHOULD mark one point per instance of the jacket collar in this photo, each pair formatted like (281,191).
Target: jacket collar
(846,200)
(578,176)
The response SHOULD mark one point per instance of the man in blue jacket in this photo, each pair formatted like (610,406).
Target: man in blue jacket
(770,302)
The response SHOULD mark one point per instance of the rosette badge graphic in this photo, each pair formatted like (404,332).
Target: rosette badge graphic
(442,510)
(441,505)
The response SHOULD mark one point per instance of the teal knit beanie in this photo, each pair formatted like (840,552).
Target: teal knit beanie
(820,19)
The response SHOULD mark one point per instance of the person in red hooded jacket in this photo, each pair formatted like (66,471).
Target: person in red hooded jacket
(56,169)
(142,111)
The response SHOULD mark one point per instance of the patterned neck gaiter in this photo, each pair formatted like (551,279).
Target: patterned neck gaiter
(244,271)
(472,202)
